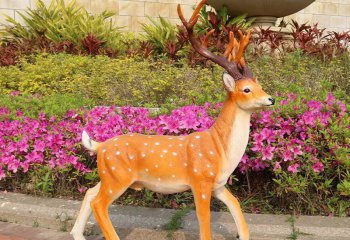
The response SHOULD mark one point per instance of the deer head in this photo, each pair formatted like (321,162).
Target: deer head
(238,78)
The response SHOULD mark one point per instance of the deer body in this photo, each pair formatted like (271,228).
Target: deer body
(168,164)
(201,161)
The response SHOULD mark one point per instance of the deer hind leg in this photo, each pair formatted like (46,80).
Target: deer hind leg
(107,194)
(233,205)
(84,213)
(202,198)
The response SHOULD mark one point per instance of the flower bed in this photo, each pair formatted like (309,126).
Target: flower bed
(296,142)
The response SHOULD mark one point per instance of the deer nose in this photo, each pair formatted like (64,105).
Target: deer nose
(272,100)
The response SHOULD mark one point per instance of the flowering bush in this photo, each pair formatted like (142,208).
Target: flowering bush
(283,139)
(308,139)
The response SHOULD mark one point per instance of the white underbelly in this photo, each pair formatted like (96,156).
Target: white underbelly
(165,188)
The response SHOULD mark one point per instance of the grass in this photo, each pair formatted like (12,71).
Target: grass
(294,235)
(175,222)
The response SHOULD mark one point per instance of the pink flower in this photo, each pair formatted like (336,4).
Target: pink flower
(296,150)
(13,165)
(39,146)
(14,93)
(284,102)
(23,145)
(277,166)
(318,167)
(330,100)
(287,156)
(82,189)
(189,123)
(267,153)
(2,173)
(266,133)
(293,168)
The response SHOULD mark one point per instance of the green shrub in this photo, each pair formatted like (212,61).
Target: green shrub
(56,104)
(111,81)
(139,82)
(160,34)
(69,27)
(307,75)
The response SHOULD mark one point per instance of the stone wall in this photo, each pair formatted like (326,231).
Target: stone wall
(332,14)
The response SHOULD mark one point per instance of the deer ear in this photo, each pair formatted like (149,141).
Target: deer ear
(256,80)
(229,82)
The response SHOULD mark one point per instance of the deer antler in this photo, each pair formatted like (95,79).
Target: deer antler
(234,51)
(201,47)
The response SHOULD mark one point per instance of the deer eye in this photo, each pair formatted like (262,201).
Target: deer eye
(247,90)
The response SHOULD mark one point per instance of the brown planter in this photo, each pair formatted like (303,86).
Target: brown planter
(262,9)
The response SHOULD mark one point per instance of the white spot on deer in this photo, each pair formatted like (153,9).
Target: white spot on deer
(174,153)
(211,174)
(104,150)
(156,166)
(192,145)
(203,196)
(146,144)
(211,152)
(149,137)
(173,176)
(170,145)
(200,154)
(108,158)
(103,172)
(146,169)
(208,165)
(143,155)
(185,164)
(131,157)
(180,145)
(152,151)
(171,165)
(161,156)
(165,151)
(129,170)
(157,143)
(198,137)
(110,191)
(127,144)
(113,168)
(170,138)
(115,139)
(159,179)
(117,153)
(195,170)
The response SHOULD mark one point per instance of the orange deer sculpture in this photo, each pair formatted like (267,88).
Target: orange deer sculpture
(201,161)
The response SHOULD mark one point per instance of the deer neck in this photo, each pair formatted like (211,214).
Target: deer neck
(231,133)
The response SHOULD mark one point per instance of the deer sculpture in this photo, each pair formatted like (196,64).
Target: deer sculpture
(201,161)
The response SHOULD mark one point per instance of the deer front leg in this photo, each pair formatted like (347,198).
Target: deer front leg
(84,213)
(202,198)
(233,205)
